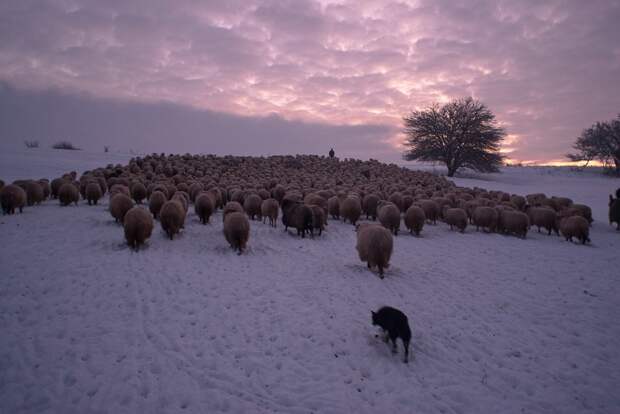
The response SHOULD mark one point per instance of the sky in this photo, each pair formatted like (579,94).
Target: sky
(302,76)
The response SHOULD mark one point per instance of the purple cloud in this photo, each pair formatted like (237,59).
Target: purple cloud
(547,69)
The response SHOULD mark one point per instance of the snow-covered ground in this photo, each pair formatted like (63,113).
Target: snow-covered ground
(500,324)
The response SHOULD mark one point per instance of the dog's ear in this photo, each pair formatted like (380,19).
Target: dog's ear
(373,313)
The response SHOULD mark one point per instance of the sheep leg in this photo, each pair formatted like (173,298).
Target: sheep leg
(394,349)
(406,345)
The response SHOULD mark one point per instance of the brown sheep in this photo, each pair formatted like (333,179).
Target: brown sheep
(396,199)
(230,207)
(584,211)
(68,193)
(374,246)
(93,192)
(485,217)
(456,217)
(431,210)
(204,206)
(575,226)
(251,206)
(34,193)
(55,186)
(172,217)
(389,217)
(156,201)
(138,226)
(269,209)
(120,189)
(298,215)
(369,203)
(414,219)
(542,217)
(12,197)
(513,222)
(138,192)
(350,209)
(193,191)
(237,230)
(120,204)
(318,218)
(333,207)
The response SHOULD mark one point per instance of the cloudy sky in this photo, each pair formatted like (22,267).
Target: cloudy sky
(268,77)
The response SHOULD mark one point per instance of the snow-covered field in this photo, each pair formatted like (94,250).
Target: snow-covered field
(500,324)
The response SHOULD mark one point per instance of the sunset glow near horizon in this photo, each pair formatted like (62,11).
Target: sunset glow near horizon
(546,69)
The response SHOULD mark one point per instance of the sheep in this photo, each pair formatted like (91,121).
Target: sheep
(333,207)
(156,201)
(204,205)
(542,217)
(172,217)
(614,211)
(350,209)
(318,219)
(298,215)
(119,188)
(431,210)
(120,204)
(251,205)
(138,192)
(389,217)
(230,207)
(237,230)
(183,199)
(34,193)
(374,246)
(397,200)
(518,201)
(138,226)
(414,219)
(68,193)
(560,203)
(55,186)
(193,190)
(511,221)
(93,192)
(584,211)
(575,226)
(369,204)
(12,197)
(485,217)
(456,217)
(269,209)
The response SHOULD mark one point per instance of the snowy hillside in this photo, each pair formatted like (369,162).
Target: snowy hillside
(500,324)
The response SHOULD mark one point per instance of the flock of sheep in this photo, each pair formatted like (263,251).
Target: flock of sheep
(307,190)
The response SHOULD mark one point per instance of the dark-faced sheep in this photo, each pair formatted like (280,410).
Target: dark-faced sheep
(251,205)
(485,217)
(389,217)
(12,197)
(172,217)
(350,209)
(156,201)
(542,217)
(414,219)
(269,209)
(93,192)
(138,226)
(456,217)
(575,226)
(237,230)
(68,193)
(120,204)
(204,207)
(374,246)
(297,215)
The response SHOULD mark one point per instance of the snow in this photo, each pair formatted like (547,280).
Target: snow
(499,324)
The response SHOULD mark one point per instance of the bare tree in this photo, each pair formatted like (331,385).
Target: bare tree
(462,134)
(599,142)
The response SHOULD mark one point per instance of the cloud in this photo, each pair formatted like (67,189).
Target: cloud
(547,69)
(91,123)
